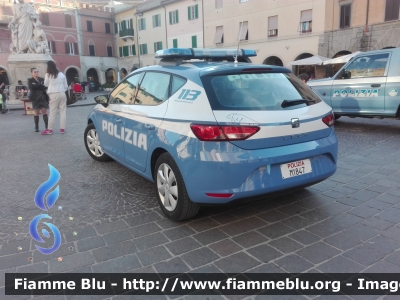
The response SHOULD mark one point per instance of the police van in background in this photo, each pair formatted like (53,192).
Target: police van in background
(367,86)
(207,129)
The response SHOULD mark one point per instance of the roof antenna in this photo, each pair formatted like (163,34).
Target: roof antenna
(240,35)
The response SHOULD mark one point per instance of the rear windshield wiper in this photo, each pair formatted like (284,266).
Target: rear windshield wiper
(287,103)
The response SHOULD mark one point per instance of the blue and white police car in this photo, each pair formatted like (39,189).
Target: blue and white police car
(207,129)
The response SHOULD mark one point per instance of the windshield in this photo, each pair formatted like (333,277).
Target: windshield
(256,91)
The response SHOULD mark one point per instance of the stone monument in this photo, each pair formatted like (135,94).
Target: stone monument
(29,47)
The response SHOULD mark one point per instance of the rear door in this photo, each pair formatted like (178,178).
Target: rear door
(256,99)
(364,92)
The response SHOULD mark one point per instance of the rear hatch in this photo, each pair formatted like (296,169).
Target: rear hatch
(274,107)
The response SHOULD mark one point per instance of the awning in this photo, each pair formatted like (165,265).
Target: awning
(218,35)
(313,60)
(273,23)
(341,59)
(242,31)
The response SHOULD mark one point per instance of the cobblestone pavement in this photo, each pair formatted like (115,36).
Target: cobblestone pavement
(348,223)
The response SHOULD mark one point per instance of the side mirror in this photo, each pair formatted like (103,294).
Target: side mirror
(346,74)
(102,99)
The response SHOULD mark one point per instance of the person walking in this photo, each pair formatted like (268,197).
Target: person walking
(38,96)
(57,85)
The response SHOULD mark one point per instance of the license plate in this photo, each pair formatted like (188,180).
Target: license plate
(296,168)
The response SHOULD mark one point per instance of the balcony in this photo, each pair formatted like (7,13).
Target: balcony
(126,34)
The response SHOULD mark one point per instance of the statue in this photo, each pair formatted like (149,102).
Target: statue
(26,31)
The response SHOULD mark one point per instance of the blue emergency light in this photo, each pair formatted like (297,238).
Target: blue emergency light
(204,53)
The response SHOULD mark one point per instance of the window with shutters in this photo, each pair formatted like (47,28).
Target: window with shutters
(44,18)
(273,26)
(132,50)
(219,35)
(175,43)
(392,10)
(89,26)
(194,41)
(70,48)
(306,21)
(121,54)
(91,50)
(142,24)
(243,31)
(345,15)
(156,21)
(125,50)
(52,47)
(68,21)
(157,46)
(116,27)
(107,27)
(109,51)
(193,12)
(174,17)
(219,3)
(143,49)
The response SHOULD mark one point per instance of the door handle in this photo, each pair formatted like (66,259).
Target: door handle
(375,85)
(118,120)
(149,126)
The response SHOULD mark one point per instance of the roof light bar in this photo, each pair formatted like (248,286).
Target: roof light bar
(203,53)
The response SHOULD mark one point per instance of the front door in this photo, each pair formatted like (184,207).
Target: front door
(364,92)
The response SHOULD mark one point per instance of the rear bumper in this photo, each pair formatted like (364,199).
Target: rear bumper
(223,168)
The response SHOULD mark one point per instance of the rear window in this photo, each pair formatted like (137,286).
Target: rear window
(256,91)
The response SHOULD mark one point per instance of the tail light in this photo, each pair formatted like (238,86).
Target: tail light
(329,120)
(214,195)
(223,133)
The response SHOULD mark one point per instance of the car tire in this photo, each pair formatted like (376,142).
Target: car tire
(92,144)
(171,190)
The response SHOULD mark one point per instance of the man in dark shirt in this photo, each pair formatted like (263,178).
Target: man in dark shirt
(3,83)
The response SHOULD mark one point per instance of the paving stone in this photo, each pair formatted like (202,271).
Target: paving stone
(203,224)
(71,262)
(377,223)
(392,233)
(364,255)
(236,263)
(395,192)
(150,241)
(382,267)
(383,244)
(317,253)
(64,250)
(178,233)
(344,190)
(242,226)
(304,237)
(334,194)
(143,230)
(110,227)
(394,258)
(390,214)
(334,208)
(315,215)
(264,253)
(82,233)
(267,268)
(41,267)
(272,216)
(345,220)
(275,230)
(324,229)
(350,201)
(113,251)
(249,239)
(359,185)
(225,247)
(297,222)
(292,209)
(388,198)
(362,232)
(90,243)
(116,237)
(285,245)
(153,255)
(314,202)
(364,211)
(184,245)
(224,218)
(340,264)
(117,265)
(12,247)
(143,219)
(293,264)
(206,269)
(199,257)
(244,212)
(175,265)
(343,240)
(162,223)
(378,204)
(210,236)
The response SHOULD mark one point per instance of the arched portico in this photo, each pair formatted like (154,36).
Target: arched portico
(73,74)
(273,61)
(111,75)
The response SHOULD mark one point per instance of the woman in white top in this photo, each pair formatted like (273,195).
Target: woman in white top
(57,85)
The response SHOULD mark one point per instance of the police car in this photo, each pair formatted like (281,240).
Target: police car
(209,130)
